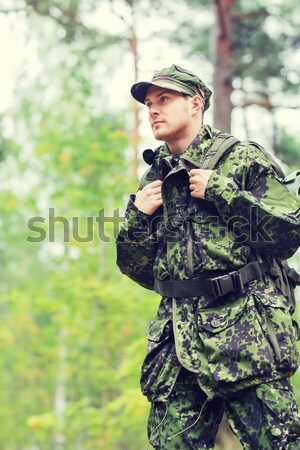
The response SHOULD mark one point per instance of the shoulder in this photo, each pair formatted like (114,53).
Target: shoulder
(250,154)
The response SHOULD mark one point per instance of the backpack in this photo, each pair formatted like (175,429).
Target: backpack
(285,278)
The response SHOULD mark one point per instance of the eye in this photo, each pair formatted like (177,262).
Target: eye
(148,105)
(163,98)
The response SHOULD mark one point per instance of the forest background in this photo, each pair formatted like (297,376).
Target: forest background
(72,334)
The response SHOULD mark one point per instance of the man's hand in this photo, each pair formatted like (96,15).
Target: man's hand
(198,182)
(149,199)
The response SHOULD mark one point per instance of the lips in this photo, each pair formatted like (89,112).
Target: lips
(156,122)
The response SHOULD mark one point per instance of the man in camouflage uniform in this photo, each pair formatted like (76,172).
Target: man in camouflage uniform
(223,339)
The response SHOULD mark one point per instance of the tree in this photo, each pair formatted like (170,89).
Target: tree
(72,329)
(72,18)
(223,64)
(245,39)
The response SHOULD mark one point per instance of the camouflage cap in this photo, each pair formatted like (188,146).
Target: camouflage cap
(177,79)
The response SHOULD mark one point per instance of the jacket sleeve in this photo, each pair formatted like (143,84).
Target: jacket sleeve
(254,204)
(136,247)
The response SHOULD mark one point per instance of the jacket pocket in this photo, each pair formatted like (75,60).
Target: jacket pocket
(281,412)
(236,346)
(277,323)
(159,333)
(156,329)
(161,366)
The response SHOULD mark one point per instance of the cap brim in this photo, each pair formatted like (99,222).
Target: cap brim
(139,90)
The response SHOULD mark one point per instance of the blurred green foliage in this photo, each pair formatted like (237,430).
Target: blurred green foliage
(290,150)
(72,335)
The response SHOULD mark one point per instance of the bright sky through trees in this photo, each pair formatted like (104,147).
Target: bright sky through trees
(16,49)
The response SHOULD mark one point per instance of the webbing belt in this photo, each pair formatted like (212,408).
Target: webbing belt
(217,287)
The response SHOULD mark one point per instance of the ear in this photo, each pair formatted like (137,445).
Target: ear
(197,104)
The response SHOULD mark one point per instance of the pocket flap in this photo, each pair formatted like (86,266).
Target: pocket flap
(156,329)
(217,319)
(273,299)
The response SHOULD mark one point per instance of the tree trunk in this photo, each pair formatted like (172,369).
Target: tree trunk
(135,136)
(223,63)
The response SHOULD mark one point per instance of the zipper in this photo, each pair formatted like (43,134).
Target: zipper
(190,248)
(166,242)
(273,338)
(173,170)
(179,167)
(190,233)
(273,346)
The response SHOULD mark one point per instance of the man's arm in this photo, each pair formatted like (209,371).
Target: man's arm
(253,202)
(136,248)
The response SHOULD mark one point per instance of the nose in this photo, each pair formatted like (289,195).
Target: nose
(153,111)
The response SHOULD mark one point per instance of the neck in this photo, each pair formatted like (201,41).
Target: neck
(180,145)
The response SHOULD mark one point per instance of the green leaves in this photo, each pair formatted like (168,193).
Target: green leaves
(289,150)
(72,334)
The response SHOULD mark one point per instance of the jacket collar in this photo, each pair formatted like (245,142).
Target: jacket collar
(195,152)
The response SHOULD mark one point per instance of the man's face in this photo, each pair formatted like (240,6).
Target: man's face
(169,114)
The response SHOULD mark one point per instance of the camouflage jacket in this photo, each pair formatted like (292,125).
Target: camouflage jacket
(231,342)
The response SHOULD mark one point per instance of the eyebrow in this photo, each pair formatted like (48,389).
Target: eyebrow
(163,92)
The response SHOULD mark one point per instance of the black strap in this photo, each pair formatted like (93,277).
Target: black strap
(221,144)
(217,287)
(293,276)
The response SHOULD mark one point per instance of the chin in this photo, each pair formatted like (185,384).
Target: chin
(160,136)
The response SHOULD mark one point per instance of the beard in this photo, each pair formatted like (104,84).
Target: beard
(172,132)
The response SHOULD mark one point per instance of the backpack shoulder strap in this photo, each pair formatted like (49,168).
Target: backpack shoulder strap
(152,174)
(221,144)
(224,142)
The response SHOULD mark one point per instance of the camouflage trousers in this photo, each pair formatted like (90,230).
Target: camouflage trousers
(263,417)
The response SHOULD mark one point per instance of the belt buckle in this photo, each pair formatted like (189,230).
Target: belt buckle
(237,281)
(224,284)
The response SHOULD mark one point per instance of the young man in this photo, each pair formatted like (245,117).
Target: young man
(223,339)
